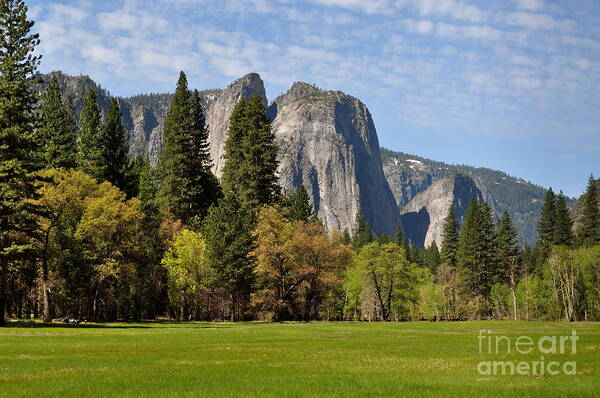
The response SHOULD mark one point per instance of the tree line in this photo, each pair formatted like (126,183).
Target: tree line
(89,233)
(481,271)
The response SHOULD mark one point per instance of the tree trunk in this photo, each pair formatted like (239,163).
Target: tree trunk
(232,316)
(512,289)
(2,297)
(46,317)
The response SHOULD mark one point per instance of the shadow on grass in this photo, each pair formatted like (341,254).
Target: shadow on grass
(158,324)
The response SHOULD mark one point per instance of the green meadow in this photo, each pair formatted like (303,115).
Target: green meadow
(286,360)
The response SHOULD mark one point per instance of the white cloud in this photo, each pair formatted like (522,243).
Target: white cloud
(530,4)
(449,8)
(482,32)
(421,26)
(536,21)
(433,62)
(367,6)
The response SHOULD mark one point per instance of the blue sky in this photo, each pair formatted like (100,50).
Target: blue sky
(512,84)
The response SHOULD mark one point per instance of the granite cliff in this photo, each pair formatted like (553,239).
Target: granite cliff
(423,217)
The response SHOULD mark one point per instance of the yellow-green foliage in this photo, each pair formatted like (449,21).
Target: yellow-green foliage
(90,232)
(186,264)
(388,281)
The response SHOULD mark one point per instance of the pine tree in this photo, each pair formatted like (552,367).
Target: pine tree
(188,187)
(147,186)
(228,232)
(563,227)
(588,232)
(251,154)
(450,238)
(509,252)
(432,257)
(300,208)
(57,131)
(116,167)
(362,233)
(19,153)
(546,225)
(401,240)
(200,132)
(476,256)
(488,248)
(89,140)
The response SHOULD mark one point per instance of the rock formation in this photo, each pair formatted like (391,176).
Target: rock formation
(423,217)
(219,110)
(328,142)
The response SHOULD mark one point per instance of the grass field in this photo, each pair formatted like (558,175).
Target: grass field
(283,360)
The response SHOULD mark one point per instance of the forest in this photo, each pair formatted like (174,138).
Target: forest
(90,234)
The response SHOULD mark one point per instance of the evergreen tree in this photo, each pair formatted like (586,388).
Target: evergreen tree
(509,252)
(384,239)
(362,233)
(432,258)
(417,255)
(588,232)
(401,240)
(476,256)
(188,187)
(89,140)
(251,154)
(57,131)
(114,150)
(346,238)
(563,227)
(19,154)
(228,232)
(450,238)
(299,206)
(200,133)
(546,225)
(147,186)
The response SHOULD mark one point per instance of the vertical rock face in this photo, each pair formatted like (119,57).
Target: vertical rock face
(423,217)
(328,142)
(219,110)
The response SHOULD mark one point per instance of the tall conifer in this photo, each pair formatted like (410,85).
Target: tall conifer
(588,232)
(114,150)
(402,241)
(546,225)
(89,139)
(450,238)
(476,256)
(228,232)
(188,187)
(19,153)
(563,225)
(362,233)
(509,251)
(300,208)
(251,154)
(57,132)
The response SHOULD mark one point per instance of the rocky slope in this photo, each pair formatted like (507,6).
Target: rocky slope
(408,175)
(423,217)
(328,142)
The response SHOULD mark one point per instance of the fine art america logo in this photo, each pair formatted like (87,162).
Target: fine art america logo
(490,343)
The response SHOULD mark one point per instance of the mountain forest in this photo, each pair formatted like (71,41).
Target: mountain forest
(97,227)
